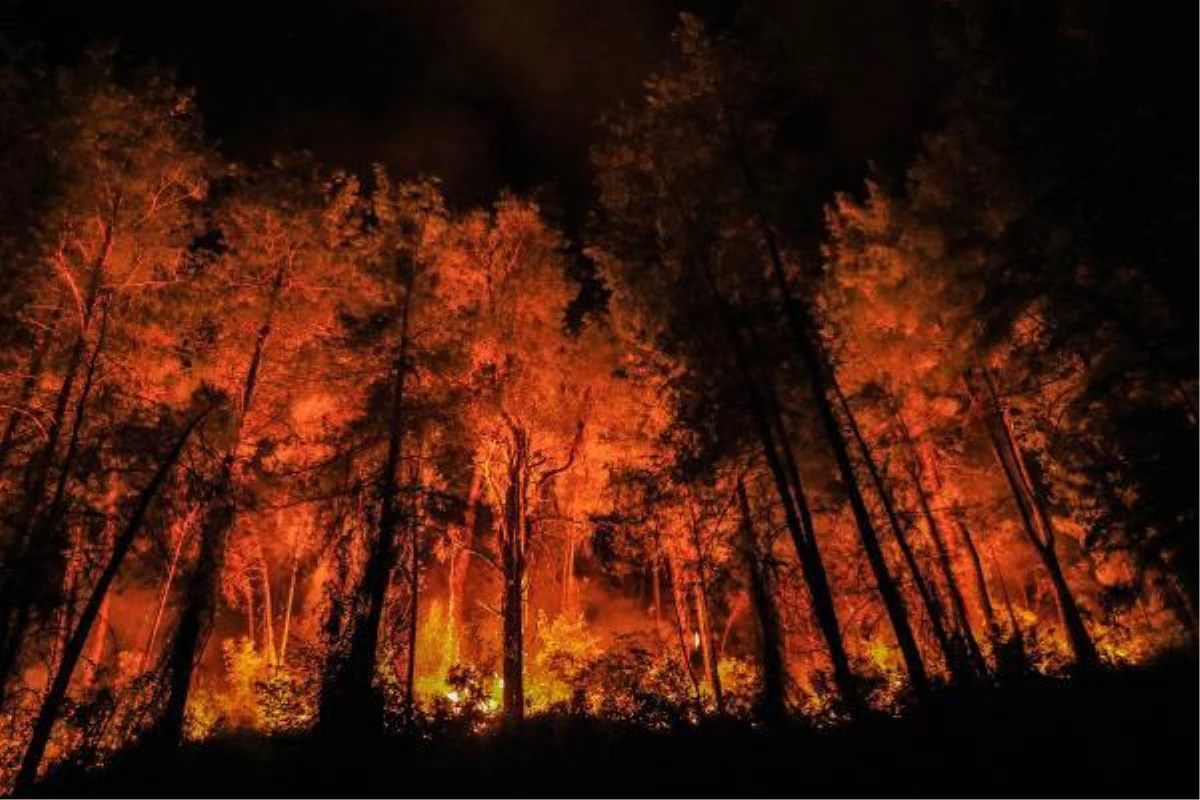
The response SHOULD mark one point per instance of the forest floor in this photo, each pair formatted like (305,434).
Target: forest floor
(1130,733)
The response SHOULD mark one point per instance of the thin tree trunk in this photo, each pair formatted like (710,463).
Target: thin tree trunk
(200,599)
(818,371)
(925,466)
(933,607)
(199,602)
(708,649)
(268,603)
(414,582)
(185,526)
(56,508)
(656,596)
(44,724)
(773,691)
(251,615)
(679,601)
(460,563)
(981,584)
(17,572)
(291,597)
(568,575)
(795,507)
(805,336)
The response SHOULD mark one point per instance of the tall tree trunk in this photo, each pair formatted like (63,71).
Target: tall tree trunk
(195,618)
(514,533)
(44,724)
(414,579)
(703,622)
(773,691)
(818,372)
(460,562)
(567,603)
(184,527)
(57,507)
(708,647)
(19,565)
(1030,504)
(794,504)
(933,607)
(351,701)
(806,338)
(923,467)
(656,596)
(268,608)
(981,584)
(251,615)
(682,624)
(291,597)
(199,602)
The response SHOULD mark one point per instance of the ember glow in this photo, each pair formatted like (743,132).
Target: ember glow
(288,449)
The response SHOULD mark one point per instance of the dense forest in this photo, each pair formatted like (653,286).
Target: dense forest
(318,454)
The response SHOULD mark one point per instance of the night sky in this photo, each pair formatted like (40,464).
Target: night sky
(485,94)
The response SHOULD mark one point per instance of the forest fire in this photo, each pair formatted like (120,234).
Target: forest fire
(296,453)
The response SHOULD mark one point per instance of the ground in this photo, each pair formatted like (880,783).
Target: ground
(1126,733)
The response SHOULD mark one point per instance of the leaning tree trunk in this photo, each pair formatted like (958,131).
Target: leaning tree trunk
(812,356)
(44,724)
(919,469)
(199,603)
(933,607)
(792,500)
(184,527)
(20,556)
(1037,524)
(218,519)
(980,578)
(350,700)
(773,691)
